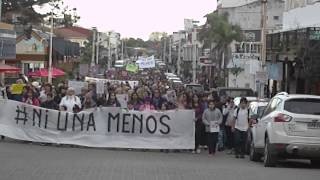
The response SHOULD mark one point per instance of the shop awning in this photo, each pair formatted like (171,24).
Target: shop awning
(44,73)
(8,69)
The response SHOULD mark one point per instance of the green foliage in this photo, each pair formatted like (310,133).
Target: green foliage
(86,52)
(217,34)
(157,36)
(29,15)
(219,31)
(236,70)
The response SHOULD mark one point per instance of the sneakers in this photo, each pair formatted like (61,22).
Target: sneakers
(198,151)
(193,152)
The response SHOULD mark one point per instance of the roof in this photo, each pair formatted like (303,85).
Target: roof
(73,32)
(235,3)
(39,35)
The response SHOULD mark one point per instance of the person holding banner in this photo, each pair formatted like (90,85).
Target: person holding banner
(147,106)
(112,100)
(157,99)
(31,98)
(199,127)
(212,118)
(70,102)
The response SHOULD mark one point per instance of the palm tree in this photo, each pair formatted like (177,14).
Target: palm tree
(217,34)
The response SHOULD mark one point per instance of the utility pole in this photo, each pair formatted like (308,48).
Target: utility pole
(263,42)
(164,49)
(122,57)
(98,48)
(93,48)
(263,31)
(179,57)
(194,53)
(109,52)
(51,50)
(0,10)
(170,51)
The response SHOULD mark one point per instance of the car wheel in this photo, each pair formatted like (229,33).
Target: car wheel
(315,162)
(254,156)
(269,158)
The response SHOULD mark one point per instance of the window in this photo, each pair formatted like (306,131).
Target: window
(276,18)
(303,106)
(272,106)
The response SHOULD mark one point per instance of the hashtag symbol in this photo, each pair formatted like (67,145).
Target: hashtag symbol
(21,115)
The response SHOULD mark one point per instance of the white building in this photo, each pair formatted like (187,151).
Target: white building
(301,14)
(246,54)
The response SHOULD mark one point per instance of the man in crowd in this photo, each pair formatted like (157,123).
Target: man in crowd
(240,127)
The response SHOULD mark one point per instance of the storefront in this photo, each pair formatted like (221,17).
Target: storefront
(296,56)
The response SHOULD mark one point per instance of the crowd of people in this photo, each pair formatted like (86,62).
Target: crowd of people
(217,123)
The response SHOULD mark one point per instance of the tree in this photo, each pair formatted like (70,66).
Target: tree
(217,34)
(25,8)
(29,15)
(157,36)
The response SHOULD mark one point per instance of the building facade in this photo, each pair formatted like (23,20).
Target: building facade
(295,51)
(243,58)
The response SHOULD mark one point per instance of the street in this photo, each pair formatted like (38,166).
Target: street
(34,162)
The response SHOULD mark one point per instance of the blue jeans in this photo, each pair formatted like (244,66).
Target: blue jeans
(221,138)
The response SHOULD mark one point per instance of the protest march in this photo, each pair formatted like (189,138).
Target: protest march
(144,111)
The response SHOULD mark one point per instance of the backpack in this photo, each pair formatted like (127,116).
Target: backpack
(238,109)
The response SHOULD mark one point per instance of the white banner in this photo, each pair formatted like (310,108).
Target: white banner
(77,85)
(100,87)
(123,100)
(147,63)
(103,127)
(131,83)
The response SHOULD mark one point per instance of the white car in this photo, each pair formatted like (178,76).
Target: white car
(288,129)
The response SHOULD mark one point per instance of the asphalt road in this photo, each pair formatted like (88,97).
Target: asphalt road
(34,162)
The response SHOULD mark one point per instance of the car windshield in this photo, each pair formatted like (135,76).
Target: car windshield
(303,106)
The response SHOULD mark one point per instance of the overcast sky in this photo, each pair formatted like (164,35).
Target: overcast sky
(138,18)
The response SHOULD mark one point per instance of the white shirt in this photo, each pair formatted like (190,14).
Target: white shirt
(242,123)
(230,112)
(43,97)
(69,102)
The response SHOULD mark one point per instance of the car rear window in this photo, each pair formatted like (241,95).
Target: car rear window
(195,88)
(236,93)
(303,106)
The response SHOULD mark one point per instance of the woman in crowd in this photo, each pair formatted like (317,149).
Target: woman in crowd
(49,103)
(157,99)
(189,99)
(112,100)
(47,88)
(30,98)
(147,106)
(181,101)
(212,118)
(199,127)
(70,102)
(135,101)
(61,92)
